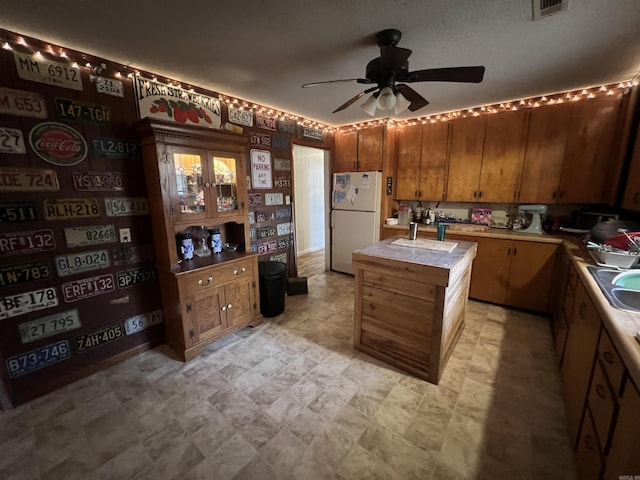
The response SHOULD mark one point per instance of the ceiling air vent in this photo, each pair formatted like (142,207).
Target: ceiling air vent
(544,8)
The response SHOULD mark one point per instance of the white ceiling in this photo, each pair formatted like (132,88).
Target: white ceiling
(263,51)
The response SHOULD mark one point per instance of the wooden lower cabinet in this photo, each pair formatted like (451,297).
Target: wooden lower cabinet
(579,354)
(624,458)
(208,303)
(588,451)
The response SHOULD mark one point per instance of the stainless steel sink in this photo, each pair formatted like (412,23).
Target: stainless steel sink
(621,298)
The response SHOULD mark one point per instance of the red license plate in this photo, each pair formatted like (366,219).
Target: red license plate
(27,242)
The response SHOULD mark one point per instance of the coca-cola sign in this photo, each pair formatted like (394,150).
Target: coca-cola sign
(58,144)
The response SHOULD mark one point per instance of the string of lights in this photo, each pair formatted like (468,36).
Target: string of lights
(96,66)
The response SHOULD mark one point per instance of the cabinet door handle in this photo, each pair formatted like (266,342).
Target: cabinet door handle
(223,308)
(235,272)
(553,195)
(515,251)
(475,194)
(480,194)
(602,393)
(508,251)
(207,184)
(243,269)
(608,357)
(560,193)
(581,310)
(229,307)
(210,279)
(588,441)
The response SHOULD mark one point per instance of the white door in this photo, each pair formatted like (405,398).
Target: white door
(351,231)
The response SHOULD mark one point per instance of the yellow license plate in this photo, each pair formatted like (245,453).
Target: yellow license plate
(64,208)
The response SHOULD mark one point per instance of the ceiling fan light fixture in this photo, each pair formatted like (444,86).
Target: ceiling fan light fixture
(386,99)
(370,105)
(401,104)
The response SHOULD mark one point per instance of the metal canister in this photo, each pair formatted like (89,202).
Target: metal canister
(413,231)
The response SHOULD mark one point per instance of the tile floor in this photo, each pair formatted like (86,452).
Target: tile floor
(292,400)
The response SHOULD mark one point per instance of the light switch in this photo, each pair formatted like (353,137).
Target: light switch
(125,235)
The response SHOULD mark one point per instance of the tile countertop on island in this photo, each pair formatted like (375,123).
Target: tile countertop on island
(621,325)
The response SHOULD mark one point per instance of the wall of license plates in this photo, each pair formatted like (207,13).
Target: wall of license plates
(76,255)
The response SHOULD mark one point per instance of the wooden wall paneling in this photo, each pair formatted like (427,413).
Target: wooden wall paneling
(544,153)
(465,158)
(433,161)
(502,157)
(389,162)
(370,142)
(631,198)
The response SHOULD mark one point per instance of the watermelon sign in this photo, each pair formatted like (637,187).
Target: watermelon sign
(58,144)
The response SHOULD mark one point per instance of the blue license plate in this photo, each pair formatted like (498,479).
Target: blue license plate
(36,359)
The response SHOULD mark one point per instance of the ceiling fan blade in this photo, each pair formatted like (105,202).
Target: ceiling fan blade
(417,100)
(354,99)
(317,84)
(392,59)
(454,74)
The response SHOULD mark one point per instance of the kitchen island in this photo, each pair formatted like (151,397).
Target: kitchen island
(410,301)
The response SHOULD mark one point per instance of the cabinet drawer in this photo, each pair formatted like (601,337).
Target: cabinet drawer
(588,454)
(611,362)
(218,275)
(603,405)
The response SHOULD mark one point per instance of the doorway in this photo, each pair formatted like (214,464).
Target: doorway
(311,209)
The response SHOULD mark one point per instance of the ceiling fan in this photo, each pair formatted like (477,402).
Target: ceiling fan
(390,73)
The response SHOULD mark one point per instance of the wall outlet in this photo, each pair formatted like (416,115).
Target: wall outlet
(125,235)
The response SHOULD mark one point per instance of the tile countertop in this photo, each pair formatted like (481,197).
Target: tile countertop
(621,325)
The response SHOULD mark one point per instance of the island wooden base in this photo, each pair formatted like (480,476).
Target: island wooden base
(410,315)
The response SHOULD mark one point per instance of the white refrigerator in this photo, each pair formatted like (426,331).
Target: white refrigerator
(355,215)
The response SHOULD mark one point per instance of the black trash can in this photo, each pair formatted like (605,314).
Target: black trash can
(273,284)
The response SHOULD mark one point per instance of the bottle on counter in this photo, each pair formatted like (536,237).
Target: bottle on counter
(404,215)
(418,212)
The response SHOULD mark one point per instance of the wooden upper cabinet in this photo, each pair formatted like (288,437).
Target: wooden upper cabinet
(433,161)
(631,200)
(346,152)
(465,159)
(370,141)
(544,153)
(409,143)
(588,161)
(502,157)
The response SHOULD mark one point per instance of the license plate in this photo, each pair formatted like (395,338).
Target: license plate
(39,358)
(255,199)
(124,206)
(135,276)
(27,242)
(49,326)
(142,322)
(283,213)
(65,208)
(87,287)
(268,247)
(109,86)
(281,164)
(17,212)
(92,235)
(281,257)
(284,228)
(101,336)
(72,111)
(47,71)
(11,140)
(133,254)
(252,233)
(15,305)
(267,232)
(81,262)
(115,148)
(263,216)
(28,180)
(21,103)
(284,243)
(24,273)
(98,181)
(273,199)
(282,182)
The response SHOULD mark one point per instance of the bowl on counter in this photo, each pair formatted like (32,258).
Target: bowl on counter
(229,247)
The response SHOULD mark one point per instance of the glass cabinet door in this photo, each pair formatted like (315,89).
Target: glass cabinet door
(225,182)
(191,198)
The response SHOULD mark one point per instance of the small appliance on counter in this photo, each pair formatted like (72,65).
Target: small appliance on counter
(535,212)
